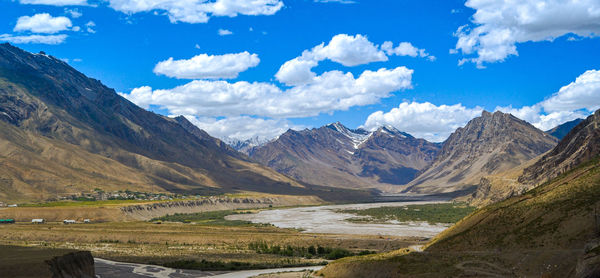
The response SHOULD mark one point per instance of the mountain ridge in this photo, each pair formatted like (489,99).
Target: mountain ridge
(489,144)
(44,98)
(339,156)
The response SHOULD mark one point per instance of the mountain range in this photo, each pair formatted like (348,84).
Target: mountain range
(64,133)
(335,155)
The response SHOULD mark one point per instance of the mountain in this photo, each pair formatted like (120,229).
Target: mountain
(552,230)
(561,130)
(63,132)
(489,144)
(335,155)
(579,145)
(246,146)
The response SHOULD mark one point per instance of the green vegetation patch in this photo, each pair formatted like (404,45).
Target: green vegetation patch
(309,252)
(207,218)
(432,213)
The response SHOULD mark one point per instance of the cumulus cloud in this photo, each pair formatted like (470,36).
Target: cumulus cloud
(424,120)
(575,100)
(242,127)
(205,66)
(55,2)
(217,103)
(499,25)
(198,11)
(42,23)
(333,90)
(38,39)
(296,72)
(224,32)
(347,50)
(343,49)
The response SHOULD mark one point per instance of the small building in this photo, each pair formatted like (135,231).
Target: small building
(12,206)
(7,221)
(68,221)
(87,221)
(38,221)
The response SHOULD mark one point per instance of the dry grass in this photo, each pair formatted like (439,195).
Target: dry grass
(145,242)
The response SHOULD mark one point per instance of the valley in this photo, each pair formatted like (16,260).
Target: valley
(86,174)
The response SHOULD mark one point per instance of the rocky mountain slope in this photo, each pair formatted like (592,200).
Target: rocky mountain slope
(64,132)
(335,155)
(562,130)
(579,145)
(489,144)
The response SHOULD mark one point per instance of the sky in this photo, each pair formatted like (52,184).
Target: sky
(253,69)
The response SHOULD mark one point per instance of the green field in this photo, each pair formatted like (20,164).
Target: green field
(432,213)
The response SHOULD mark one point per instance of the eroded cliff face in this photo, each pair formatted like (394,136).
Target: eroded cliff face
(153,210)
(76,265)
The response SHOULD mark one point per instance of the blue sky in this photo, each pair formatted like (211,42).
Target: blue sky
(515,61)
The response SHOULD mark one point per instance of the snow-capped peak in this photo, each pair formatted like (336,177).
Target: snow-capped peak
(358,136)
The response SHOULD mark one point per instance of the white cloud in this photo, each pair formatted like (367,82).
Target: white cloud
(424,120)
(205,66)
(333,90)
(347,50)
(39,39)
(224,32)
(499,25)
(405,49)
(42,23)
(575,100)
(583,93)
(55,2)
(74,13)
(198,11)
(296,72)
(343,49)
(242,127)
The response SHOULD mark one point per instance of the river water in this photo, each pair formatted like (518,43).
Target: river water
(325,220)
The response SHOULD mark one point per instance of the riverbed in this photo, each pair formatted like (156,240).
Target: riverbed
(327,220)
(112,269)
